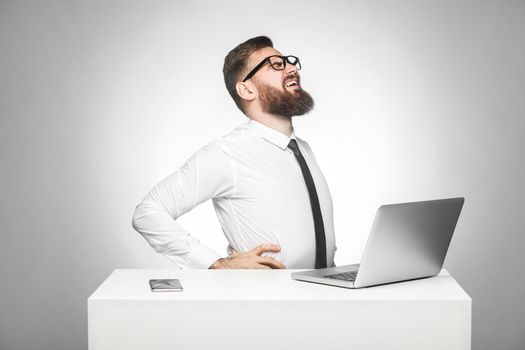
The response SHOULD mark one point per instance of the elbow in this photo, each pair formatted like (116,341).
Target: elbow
(137,216)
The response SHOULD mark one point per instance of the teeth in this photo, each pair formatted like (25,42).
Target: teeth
(290,83)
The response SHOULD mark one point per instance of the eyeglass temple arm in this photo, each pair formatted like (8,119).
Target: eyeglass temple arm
(255,69)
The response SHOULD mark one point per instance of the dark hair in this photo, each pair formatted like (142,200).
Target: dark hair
(235,64)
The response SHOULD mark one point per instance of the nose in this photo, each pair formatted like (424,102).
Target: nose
(290,69)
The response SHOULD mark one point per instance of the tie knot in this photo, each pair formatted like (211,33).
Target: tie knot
(293,146)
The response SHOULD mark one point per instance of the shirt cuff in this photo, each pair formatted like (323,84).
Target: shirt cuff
(200,257)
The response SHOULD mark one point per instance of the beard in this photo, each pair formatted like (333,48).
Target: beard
(284,103)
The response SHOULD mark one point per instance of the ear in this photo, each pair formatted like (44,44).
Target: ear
(246,91)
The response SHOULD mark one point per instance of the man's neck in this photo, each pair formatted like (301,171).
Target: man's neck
(281,124)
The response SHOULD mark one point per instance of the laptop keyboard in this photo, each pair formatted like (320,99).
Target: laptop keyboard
(345,276)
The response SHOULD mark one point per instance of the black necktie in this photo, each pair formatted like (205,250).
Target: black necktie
(320,239)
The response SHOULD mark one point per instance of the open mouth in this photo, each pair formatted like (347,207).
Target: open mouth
(291,83)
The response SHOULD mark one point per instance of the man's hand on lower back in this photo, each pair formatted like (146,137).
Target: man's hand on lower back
(251,259)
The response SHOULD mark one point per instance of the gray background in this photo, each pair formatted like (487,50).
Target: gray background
(99,100)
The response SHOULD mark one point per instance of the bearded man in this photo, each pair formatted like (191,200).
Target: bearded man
(270,196)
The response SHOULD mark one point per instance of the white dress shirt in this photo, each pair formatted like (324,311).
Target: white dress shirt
(259,195)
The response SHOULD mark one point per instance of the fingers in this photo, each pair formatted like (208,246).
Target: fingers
(248,262)
(262,267)
(263,248)
(271,262)
(253,259)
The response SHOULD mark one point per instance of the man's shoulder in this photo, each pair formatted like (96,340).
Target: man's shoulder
(236,137)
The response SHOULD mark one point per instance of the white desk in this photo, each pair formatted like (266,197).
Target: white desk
(266,309)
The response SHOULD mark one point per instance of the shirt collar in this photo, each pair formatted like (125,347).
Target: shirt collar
(271,135)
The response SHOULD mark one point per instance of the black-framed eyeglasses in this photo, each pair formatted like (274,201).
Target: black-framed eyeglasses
(277,62)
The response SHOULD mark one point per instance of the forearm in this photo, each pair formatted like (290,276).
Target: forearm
(170,239)
(205,175)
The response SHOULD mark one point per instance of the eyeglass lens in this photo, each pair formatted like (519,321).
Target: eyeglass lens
(277,62)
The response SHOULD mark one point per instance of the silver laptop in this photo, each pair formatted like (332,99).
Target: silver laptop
(407,241)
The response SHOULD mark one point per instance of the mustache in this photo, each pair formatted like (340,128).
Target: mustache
(293,76)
